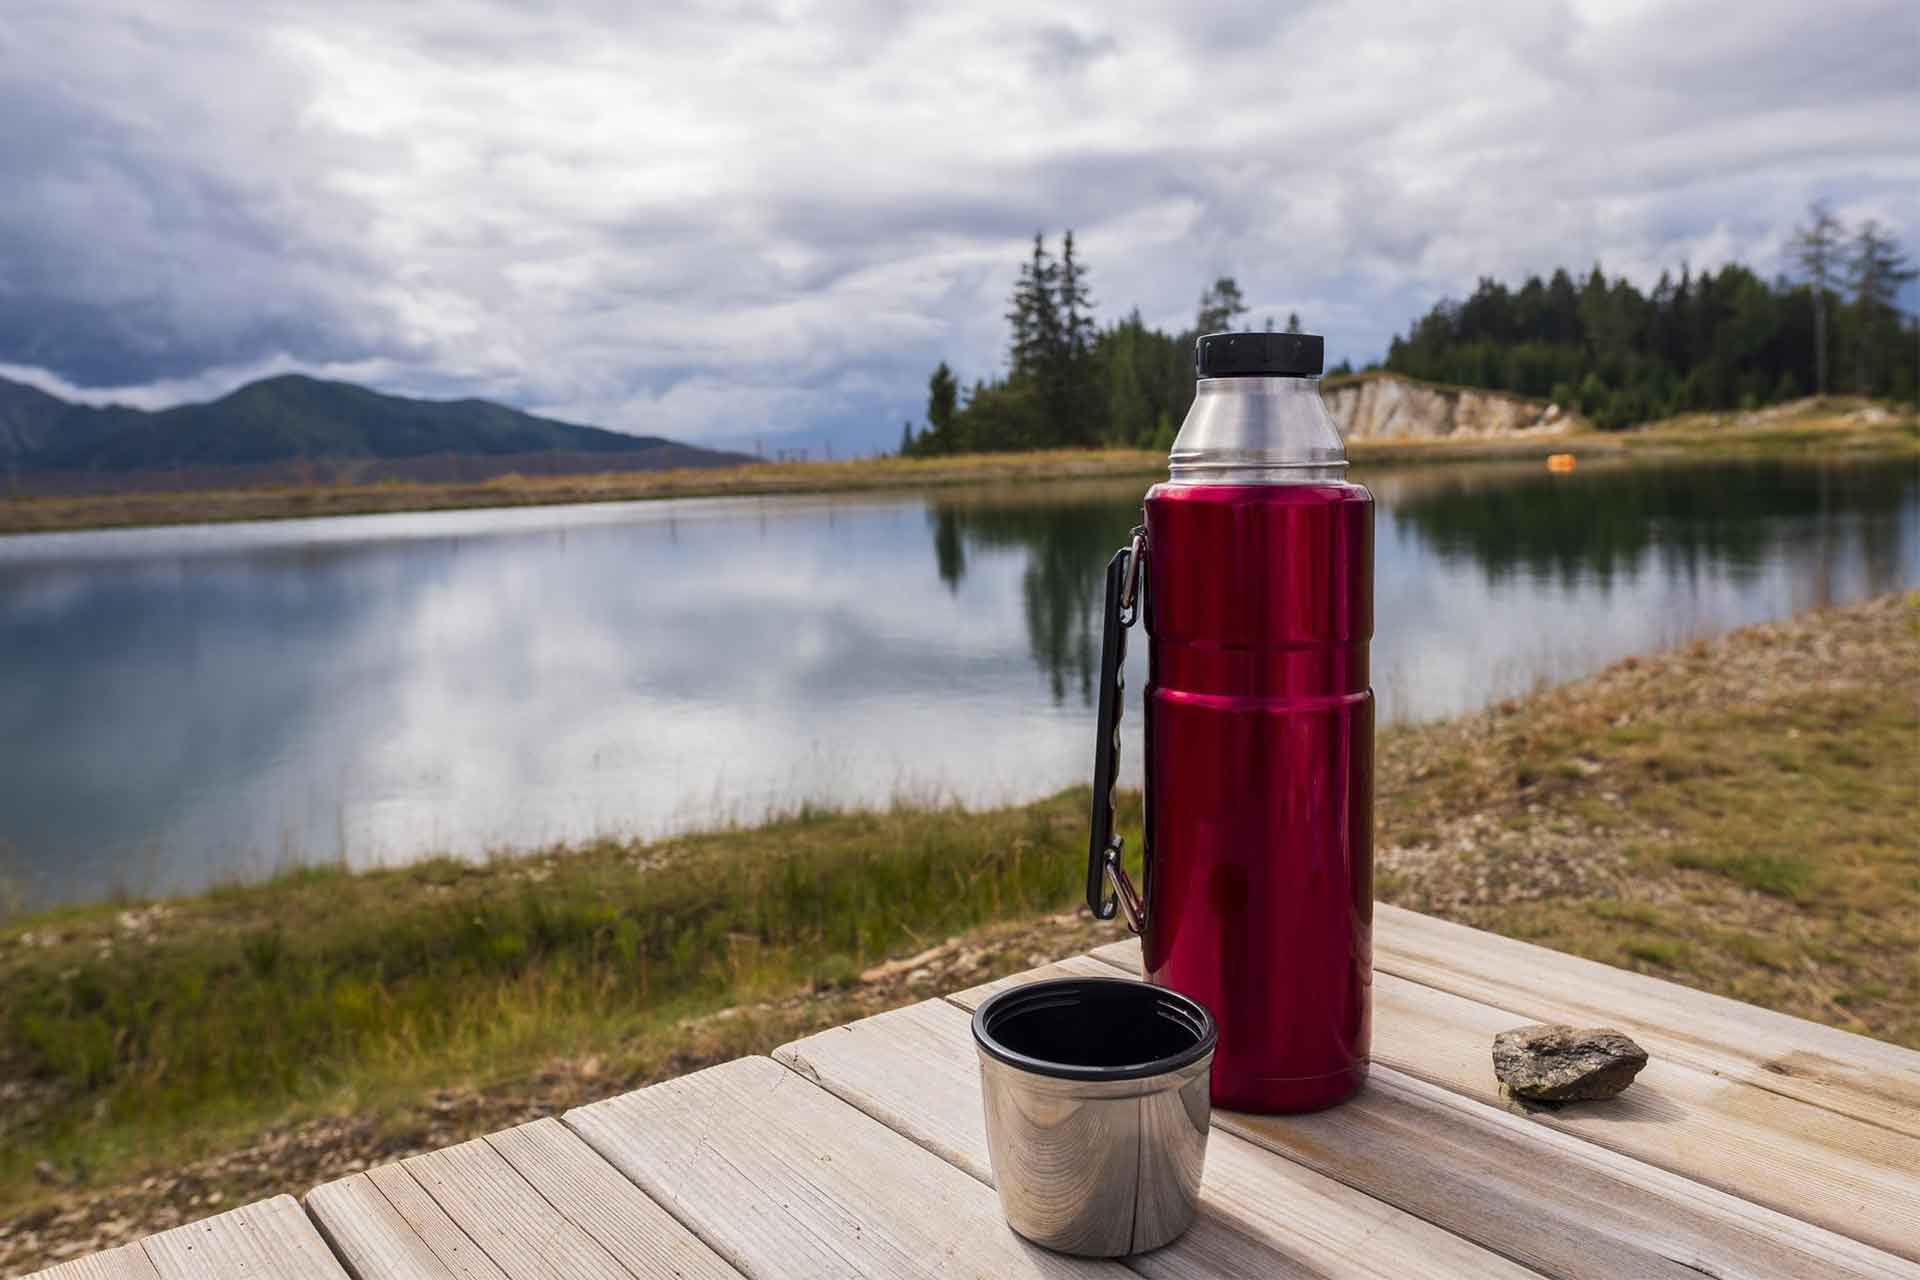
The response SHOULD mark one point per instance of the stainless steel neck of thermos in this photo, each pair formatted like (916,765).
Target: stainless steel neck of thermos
(1257,430)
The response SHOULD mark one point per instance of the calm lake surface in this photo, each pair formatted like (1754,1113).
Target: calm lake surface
(186,706)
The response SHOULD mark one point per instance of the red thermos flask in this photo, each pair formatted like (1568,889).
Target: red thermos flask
(1254,572)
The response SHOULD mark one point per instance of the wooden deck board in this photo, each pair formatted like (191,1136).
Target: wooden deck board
(639,1234)
(532,1201)
(267,1240)
(384,1226)
(1852,1074)
(523,1234)
(128,1262)
(1854,1177)
(1563,1206)
(782,1178)
(914,1070)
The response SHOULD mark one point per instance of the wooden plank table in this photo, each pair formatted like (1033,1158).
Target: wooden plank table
(266,1238)
(1753,1144)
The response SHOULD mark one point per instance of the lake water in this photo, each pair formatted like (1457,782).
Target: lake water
(185,706)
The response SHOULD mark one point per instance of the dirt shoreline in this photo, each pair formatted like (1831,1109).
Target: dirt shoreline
(1837,426)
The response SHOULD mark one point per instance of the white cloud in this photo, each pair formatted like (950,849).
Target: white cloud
(208,384)
(723,221)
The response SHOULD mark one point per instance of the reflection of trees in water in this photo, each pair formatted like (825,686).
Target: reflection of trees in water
(1734,517)
(1691,520)
(1068,543)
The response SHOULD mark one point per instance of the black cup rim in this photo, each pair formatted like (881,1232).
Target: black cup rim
(1151,997)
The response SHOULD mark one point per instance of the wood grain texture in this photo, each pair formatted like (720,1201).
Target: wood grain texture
(1564,1206)
(518,1229)
(914,1070)
(639,1234)
(128,1262)
(267,1240)
(385,1227)
(783,1179)
(1850,1176)
(1124,954)
(1561,1204)
(1852,1074)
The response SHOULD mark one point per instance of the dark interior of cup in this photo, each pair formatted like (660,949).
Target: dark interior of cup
(1094,1029)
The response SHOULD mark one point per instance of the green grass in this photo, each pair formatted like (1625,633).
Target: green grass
(1758,795)
(1668,952)
(1782,875)
(249,1003)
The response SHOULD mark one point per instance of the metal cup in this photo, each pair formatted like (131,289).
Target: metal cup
(1096,1093)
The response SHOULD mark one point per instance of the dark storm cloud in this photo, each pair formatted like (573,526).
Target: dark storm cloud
(726,222)
(125,257)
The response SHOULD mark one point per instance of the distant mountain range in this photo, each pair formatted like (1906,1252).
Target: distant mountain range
(299,428)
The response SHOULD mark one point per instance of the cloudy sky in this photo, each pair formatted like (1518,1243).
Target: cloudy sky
(726,222)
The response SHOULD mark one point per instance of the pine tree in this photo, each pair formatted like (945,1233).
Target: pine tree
(1293,322)
(906,439)
(1073,405)
(1562,318)
(1075,303)
(1019,324)
(1220,306)
(1034,314)
(1876,268)
(1020,317)
(1128,361)
(1817,248)
(943,393)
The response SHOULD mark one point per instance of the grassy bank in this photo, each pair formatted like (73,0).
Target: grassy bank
(202,506)
(1738,815)
(175,1026)
(1741,815)
(1827,427)
(1834,426)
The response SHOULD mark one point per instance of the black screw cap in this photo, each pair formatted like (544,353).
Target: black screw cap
(1272,355)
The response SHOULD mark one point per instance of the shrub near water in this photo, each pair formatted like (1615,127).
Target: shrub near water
(272,993)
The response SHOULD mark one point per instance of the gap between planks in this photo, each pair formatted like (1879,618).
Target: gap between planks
(1847,1175)
(913,1069)
(268,1238)
(529,1203)
(1495,1177)
(782,1178)
(1823,1066)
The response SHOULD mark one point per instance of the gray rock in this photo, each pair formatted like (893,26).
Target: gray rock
(1552,1062)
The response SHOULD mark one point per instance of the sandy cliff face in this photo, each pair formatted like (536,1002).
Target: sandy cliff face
(1386,408)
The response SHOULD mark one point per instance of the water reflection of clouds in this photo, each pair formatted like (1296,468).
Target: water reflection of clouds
(752,674)
(208,702)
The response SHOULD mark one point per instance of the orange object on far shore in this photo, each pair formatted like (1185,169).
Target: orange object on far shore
(1561,462)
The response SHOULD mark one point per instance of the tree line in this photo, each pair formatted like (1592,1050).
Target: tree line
(1716,340)
(1070,382)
